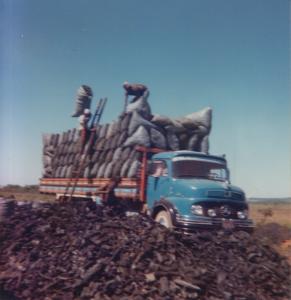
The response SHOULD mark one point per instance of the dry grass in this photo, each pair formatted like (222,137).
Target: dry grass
(27,196)
(279,213)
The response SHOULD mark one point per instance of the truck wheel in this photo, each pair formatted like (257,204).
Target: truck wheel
(164,218)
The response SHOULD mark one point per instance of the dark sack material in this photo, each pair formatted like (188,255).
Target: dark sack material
(202,117)
(124,168)
(141,106)
(83,101)
(136,121)
(94,170)
(139,137)
(173,141)
(134,169)
(117,168)
(101,170)
(157,139)
(108,170)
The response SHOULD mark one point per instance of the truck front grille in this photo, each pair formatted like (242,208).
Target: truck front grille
(225,195)
(225,211)
(223,208)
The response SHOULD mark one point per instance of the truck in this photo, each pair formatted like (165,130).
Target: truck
(182,189)
(149,163)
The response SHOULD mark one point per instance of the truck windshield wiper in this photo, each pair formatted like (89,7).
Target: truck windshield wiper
(185,176)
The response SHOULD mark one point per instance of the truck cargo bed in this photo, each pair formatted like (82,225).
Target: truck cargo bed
(127,188)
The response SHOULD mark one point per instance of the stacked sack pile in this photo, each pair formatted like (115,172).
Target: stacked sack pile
(113,153)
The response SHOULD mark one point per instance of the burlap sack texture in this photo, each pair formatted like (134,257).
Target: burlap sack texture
(83,100)
(113,152)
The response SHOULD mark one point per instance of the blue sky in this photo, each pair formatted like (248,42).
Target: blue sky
(232,55)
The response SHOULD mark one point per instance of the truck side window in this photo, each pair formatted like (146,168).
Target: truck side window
(159,168)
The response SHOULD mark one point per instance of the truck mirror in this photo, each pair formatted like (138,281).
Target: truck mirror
(228,175)
(157,168)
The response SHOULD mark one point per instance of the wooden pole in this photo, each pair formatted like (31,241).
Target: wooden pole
(143,177)
(125,102)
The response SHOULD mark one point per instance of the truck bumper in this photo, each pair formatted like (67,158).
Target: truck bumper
(188,224)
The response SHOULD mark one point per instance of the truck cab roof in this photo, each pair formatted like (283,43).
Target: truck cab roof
(173,154)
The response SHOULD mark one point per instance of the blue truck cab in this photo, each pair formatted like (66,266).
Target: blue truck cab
(192,190)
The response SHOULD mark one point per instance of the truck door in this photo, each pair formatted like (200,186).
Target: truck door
(158,182)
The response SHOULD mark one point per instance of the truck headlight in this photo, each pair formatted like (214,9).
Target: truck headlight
(197,210)
(242,214)
(211,212)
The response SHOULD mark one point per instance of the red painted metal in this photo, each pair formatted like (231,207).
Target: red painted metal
(149,150)
(88,182)
(143,182)
(142,192)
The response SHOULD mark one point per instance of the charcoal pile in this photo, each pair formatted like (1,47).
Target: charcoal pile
(84,251)
(113,153)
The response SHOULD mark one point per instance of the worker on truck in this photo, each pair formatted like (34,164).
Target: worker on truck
(83,127)
(108,193)
(84,119)
(134,89)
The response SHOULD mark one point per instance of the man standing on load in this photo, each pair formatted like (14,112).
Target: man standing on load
(84,119)
(84,128)
(134,89)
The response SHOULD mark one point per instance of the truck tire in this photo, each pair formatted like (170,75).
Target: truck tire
(163,217)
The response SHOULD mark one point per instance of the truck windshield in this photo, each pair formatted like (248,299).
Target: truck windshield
(199,168)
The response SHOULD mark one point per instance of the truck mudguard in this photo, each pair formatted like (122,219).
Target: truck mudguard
(166,205)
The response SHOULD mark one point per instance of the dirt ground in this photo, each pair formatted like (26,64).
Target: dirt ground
(273,225)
